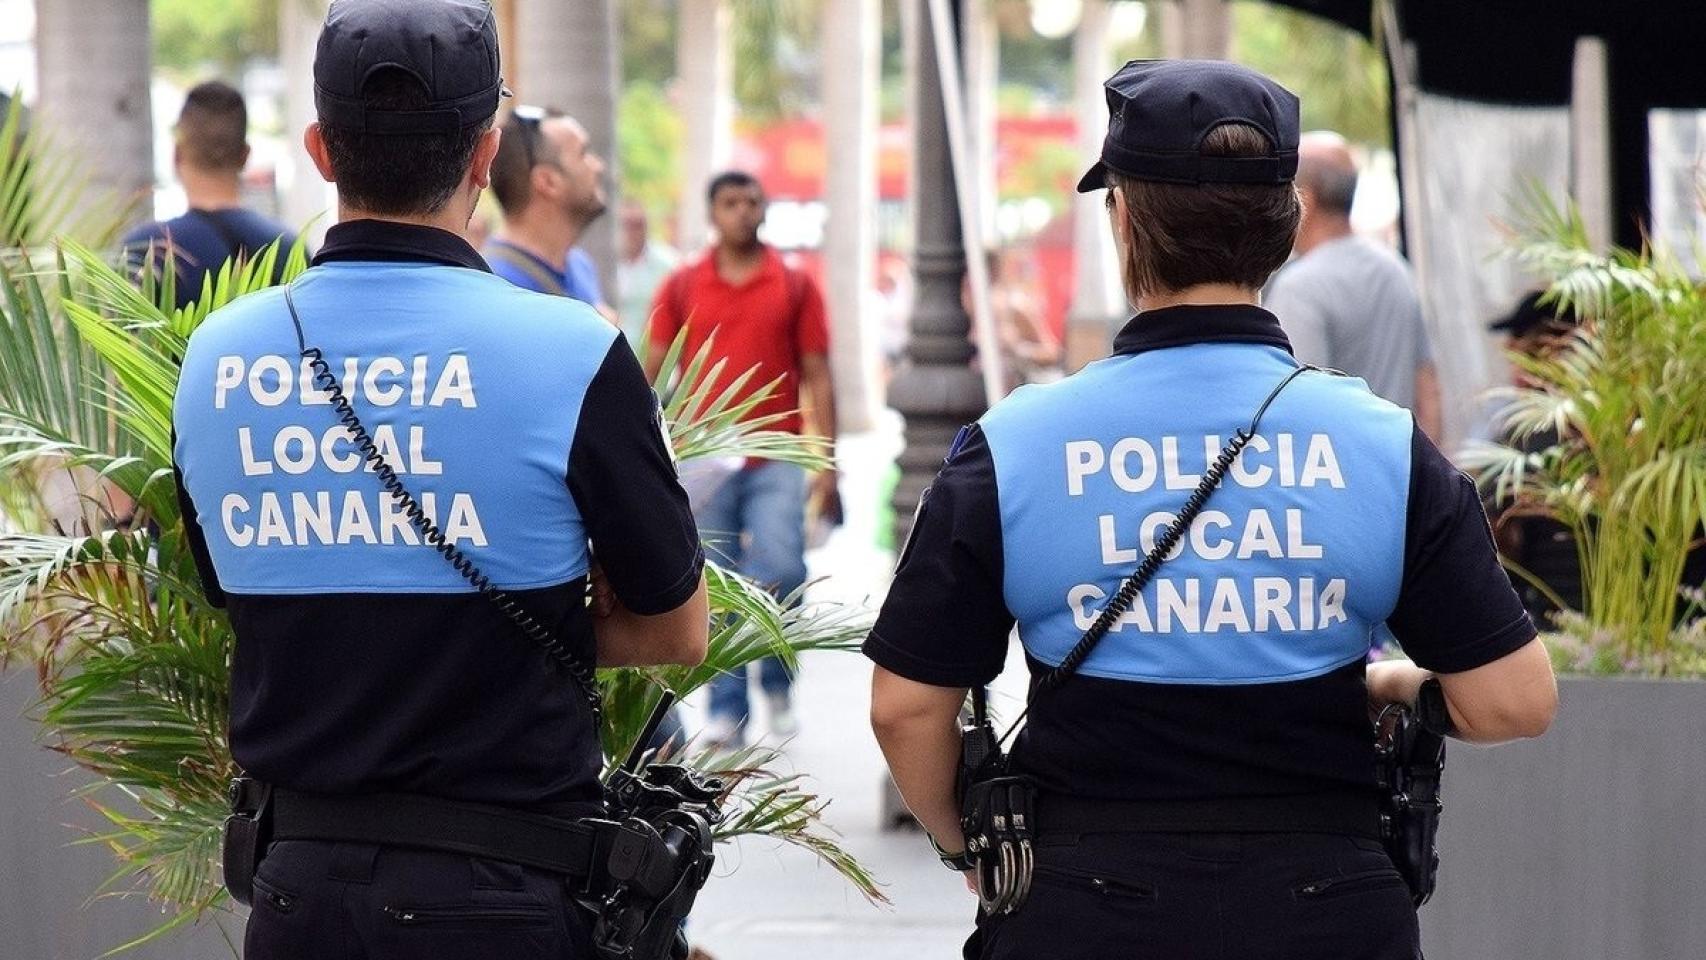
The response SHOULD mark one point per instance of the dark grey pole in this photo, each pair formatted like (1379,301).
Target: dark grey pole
(935,389)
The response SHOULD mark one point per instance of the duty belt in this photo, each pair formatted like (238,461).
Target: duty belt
(405,820)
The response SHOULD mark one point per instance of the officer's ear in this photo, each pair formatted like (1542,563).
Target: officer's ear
(485,153)
(315,143)
(1119,217)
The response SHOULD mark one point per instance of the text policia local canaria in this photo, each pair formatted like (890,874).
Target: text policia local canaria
(1193,605)
(369,516)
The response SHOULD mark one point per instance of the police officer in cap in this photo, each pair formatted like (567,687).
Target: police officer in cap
(421,752)
(1204,774)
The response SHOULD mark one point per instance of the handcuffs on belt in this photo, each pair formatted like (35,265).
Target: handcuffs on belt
(997,816)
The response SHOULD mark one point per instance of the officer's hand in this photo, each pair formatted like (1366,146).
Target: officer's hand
(601,599)
(1393,681)
(971,881)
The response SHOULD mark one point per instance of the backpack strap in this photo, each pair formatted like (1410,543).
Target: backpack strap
(520,259)
(234,245)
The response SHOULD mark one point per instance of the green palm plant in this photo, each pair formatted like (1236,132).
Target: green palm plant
(1625,398)
(134,662)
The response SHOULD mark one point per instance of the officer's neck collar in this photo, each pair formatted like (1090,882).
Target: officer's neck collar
(1192,323)
(389,241)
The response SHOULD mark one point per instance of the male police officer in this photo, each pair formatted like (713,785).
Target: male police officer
(389,705)
(1204,775)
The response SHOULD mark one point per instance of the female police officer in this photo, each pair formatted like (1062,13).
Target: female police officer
(1205,775)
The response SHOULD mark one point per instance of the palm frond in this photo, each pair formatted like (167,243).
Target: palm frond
(47,371)
(1619,410)
(44,191)
(706,421)
(762,803)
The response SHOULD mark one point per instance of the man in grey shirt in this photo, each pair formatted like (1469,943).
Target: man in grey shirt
(1347,302)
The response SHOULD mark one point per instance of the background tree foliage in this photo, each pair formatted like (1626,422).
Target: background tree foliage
(193,36)
(1340,77)
(649,135)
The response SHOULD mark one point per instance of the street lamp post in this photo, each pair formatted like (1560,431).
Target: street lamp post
(935,389)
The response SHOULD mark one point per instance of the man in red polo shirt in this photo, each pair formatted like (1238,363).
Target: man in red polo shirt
(765,315)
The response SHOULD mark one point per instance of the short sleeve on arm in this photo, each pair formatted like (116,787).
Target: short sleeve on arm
(1456,609)
(622,476)
(812,325)
(196,539)
(1301,317)
(945,621)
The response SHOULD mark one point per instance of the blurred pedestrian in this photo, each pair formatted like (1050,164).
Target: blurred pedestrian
(644,265)
(758,314)
(550,186)
(1347,302)
(211,150)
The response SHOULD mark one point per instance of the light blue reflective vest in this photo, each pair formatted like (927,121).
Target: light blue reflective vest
(1288,573)
(431,358)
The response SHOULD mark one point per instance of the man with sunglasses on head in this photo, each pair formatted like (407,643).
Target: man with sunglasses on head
(550,185)
(421,761)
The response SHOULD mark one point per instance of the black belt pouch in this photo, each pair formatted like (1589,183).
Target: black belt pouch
(248,830)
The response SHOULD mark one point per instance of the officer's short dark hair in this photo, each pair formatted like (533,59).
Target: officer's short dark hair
(410,174)
(213,127)
(1184,234)
(730,178)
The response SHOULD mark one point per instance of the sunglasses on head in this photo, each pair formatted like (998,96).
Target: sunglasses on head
(530,119)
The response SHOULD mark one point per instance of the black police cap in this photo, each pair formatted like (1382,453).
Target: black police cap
(1160,111)
(450,46)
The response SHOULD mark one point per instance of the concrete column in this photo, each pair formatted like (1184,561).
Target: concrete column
(935,389)
(509,37)
(1590,139)
(1098,302)
(1196,29)
(303,195)
(94,66)
(568,61)
(852,32)
(705,80)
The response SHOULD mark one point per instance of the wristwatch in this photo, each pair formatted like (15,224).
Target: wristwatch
(1431,709)
(957,862)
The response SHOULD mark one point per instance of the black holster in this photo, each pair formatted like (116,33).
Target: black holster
(248,830)
(1410,761)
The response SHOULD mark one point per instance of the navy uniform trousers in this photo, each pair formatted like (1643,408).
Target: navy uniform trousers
(358,901)
(1207,896)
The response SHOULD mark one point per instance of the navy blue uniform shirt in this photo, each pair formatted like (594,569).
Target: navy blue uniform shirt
(524,426)
(201,241)
(1238,675)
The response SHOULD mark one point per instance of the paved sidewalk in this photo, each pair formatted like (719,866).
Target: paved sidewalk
(770,902)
